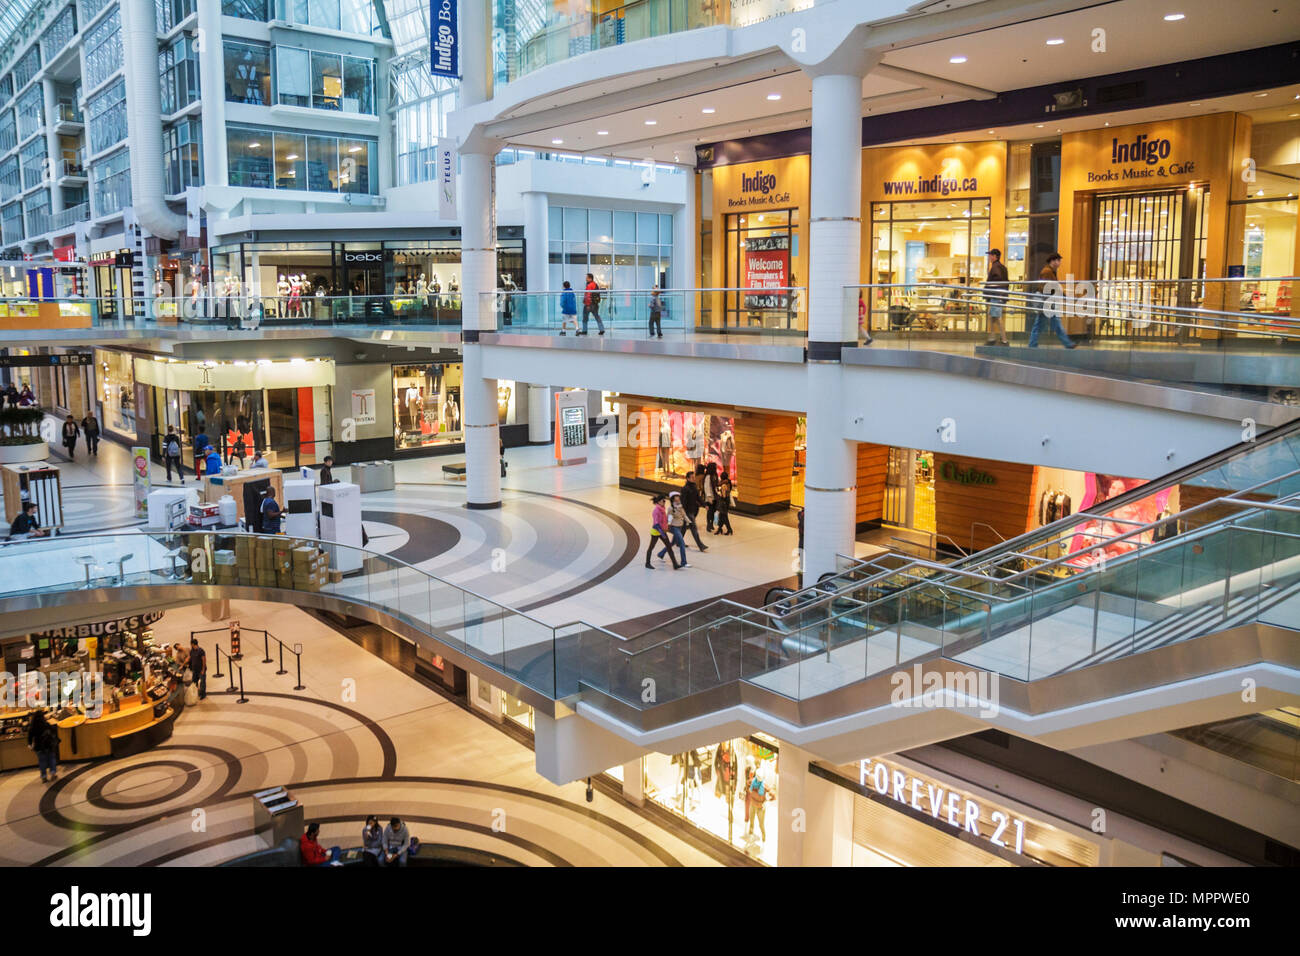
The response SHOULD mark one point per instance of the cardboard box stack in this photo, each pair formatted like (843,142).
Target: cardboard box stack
(245,560)
(310,568)
(264,546)
(223,564)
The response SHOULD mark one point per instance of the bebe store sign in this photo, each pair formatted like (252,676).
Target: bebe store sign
(997,826)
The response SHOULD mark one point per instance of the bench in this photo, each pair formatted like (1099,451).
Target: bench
(454,472)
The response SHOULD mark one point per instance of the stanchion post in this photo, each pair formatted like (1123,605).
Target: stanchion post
(242,698)
(281,670)
(218,673)
(266,644)
(299,656)
(230,662)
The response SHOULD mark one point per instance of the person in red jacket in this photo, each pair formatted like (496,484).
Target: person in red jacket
(591,306)
(313,854)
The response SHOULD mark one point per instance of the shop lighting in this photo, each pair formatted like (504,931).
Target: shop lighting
(1260,193)
(297,361)
(774,96)
(1020,209)
(602,132)
(1260,96)
(1172,17)
(557,142)
(652,122)
(1055,41)
(254,145)
(292,156)
(263,361)
(709,110)
(956,59)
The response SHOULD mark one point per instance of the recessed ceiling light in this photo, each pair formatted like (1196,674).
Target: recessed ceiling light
(557,142)
(602,132)
(1171,17)
(956,59)
(1039,126)
(1260,96)
(254,145)
(991,132)
(1055,41)
(292,156)
(652,122)
(708,109)
(774,96)
(1260,193)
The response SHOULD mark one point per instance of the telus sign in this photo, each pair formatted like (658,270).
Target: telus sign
(444,29)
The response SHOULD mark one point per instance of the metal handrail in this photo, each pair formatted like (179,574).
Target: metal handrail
(981,524)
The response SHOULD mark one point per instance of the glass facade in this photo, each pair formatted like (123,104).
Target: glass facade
(35,163)
(348,16)
(8,131)
(11,222)
(27,68)
(279,159)
(325,81)
(111,184)
(37,209)
(182,156)
(247,72)
(31,112)
(59,33)
(178,69)
(115,389)
(10,181)
(624,250)
(107,115)
(103,50)
(168,13)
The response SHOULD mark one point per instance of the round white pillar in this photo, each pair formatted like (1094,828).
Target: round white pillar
(835,198)
(830,480)
(537,242)
(478,283)
(539,414)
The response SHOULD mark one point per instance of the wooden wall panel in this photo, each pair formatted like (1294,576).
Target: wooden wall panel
(764,460)
(873,465)
(1007,504)
(637,459)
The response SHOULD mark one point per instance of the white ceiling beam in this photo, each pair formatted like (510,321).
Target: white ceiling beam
(936,83)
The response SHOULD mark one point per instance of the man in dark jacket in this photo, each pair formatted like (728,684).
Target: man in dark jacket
(70,433)
(691,505)
(90,427)
(995,297)
(199,667)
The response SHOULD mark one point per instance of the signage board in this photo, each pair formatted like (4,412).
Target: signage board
(140,480)
(118,625)
(445,159)
(363,406)
(444,38)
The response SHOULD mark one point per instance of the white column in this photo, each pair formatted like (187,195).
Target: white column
(634,781)
(830,483)
(683,264)
(212,82)
(539,414)
(537,242)
(478,268)
(835,229)
(52,147)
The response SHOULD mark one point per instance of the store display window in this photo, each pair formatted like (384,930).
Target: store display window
(729,789)
(115,388)
(514,709)
(761,250)
(426,404)
(925,257)
(687,440)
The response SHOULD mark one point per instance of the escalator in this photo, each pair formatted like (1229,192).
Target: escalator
(1071,605)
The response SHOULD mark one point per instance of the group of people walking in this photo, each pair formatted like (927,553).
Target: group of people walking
(89,427)
(676,513)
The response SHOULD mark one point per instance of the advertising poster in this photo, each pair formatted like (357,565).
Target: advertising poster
(363,406)
(1121,520)
(767,266)
(140,480)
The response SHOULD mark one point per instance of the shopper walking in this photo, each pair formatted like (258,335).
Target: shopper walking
(659,532)
(568,309)
(90,428)
(591,306)
(327,471)
(26,398)
(995,297)
(11,395)
(70,433)
(172,453)
(723,504)
(199,667)
(691,506)
(710,495)
(656,313)
(1050,301)
(201,445)
(43,737)
(676,521)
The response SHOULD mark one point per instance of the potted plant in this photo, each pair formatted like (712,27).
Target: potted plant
(20,435)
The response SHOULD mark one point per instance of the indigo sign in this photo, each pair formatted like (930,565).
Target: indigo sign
(444,37)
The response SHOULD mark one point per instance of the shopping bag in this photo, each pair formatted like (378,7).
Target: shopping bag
(191,695)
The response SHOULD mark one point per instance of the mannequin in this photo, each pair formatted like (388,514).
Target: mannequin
(414,406)
(281,294)
(726,451)
(665,445)
(724,781)
(453,414)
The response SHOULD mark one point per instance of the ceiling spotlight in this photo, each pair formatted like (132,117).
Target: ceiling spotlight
(956,59)
(652,122)
(602,132)
(1171,17)
(254,145)
(991,132)
(292,156)
(557,142)
(1260,96)
(774,96)
(708,110)
(1055,41)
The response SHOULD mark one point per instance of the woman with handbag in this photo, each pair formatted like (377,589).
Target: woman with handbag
(724,505)
(659,534)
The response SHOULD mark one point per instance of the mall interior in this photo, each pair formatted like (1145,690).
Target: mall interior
(982,311)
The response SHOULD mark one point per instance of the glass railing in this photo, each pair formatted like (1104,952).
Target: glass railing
(1202,314)
(67,113)
(778,313)
(580,27)
(511,642)
(67,218)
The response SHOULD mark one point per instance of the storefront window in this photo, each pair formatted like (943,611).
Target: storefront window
(512,708)
(115,388)
(1263,226)
(728,790)
(761,249)
(249,157)
(290,161)
(623,250)
(686,440)
(917,247)
(248,73)
(426,404)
